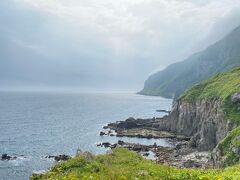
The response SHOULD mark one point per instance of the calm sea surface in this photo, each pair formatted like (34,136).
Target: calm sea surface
(33,125)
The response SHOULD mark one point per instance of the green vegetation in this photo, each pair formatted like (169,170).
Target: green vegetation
(229,147)
(124,164)
(221,86)
(176,78)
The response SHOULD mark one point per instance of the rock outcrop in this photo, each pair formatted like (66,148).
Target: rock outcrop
(208,114)
(6,157)
(227,152)
(202,120)
(58,158)
(235,98)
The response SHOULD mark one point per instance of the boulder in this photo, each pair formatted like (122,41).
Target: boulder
(59,157)
(106,144)
(88,156)
(121,142)
(62,157)
(191,163)
(146,154)
(235,98)
(6,157)
(102,133)
(128,124)
(79,152)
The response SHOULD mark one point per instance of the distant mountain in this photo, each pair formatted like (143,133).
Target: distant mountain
(176,78)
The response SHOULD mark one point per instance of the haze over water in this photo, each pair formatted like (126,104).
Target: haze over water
(38,124)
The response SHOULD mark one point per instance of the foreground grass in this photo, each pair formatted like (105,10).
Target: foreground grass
(124,164)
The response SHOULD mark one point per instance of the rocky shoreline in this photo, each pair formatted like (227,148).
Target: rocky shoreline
(140,128)
(178,156)
(181,154)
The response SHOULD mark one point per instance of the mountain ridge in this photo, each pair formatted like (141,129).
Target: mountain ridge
(176,78)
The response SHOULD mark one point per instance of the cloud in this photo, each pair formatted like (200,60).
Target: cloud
(131,26)
(116,41)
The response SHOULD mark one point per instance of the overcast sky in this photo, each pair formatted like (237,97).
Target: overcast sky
(107,44)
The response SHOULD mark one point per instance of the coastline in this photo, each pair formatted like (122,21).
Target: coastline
(180,154)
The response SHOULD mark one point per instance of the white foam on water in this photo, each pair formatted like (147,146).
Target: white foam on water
(19,160)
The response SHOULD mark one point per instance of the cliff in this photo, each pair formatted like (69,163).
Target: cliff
(202,120)
(209,113)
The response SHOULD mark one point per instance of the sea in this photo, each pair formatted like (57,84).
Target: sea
(34,125)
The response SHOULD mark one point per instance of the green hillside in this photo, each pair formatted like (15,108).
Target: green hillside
(221,86)
(123,164)
(175,79)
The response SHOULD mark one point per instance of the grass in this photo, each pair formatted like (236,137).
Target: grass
(124,164)
(227,146)
(221,86)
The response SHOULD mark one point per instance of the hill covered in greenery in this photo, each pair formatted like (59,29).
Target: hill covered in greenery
(124,164)
(176,78)
(221,86)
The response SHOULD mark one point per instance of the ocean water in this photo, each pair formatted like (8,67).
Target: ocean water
(34,125)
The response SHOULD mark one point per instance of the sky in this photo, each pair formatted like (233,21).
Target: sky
(112,45)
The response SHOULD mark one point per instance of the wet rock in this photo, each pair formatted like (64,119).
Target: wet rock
(105,127)
(121,142)
(146,154)
(106,144)
(62,158)
(6,157)
(58,158)
(129,123)
(102,133)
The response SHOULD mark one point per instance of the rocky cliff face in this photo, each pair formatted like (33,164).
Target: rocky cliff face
(203,121)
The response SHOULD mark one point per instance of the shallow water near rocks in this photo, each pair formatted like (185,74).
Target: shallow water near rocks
(34,125)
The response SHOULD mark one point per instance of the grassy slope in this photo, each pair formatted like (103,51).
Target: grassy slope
(227,146)
(221,86)
(123,164)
